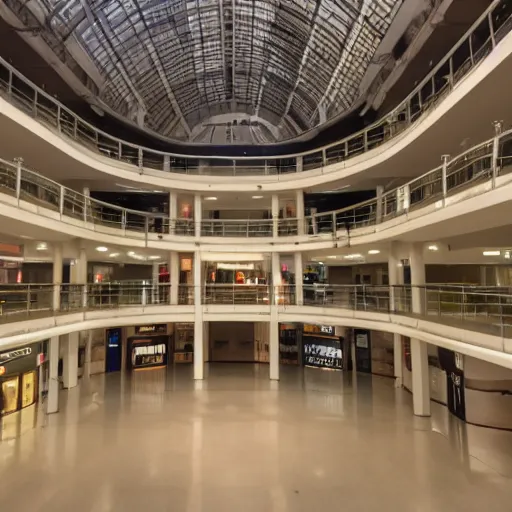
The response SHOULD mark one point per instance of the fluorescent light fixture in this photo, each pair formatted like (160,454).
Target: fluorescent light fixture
(154,257)
(113,255)
(210,198)
(353,256)
(42,246)
(507,255)
(131,253)
(320,262)
(102,248)
(374,251)
(433,248)
(331,257)
(492,253)
(257,197)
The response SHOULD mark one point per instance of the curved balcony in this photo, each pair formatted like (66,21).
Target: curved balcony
(471,50)
(470,319)
(483,169)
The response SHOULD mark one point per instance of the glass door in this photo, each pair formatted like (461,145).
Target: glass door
(10,395)
(28,389)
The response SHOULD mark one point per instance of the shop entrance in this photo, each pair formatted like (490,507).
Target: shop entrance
(232,342)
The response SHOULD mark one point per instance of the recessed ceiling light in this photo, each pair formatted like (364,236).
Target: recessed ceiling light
(491,253)
(374,251)
(113,255)
(210,198)
(154,257)
(42,246)
(433,248)
(102,248)
(257,197)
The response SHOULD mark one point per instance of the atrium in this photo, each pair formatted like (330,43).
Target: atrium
(255,255)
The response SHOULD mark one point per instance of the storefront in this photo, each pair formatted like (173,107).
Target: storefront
(184,343)
(19,377)
(289,343)
(148,348)
(321,347)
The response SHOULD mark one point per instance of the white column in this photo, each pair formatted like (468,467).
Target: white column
(419,352)
(174,276)
(87,358)
(274,324)
(394,280)
(70,361)
(299,282)
(275,215)
(378,213)
(155,279)
(173,211)
(87,202)
(206,341)
(198,320)
(52,405)
(299,205)
(198,214)
(57,275)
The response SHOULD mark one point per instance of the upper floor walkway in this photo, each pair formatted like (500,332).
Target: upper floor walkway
(484,49)
(425,208)
(472,320)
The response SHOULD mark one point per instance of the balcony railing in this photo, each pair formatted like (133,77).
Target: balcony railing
(484,163)
(483,309)
(494,24)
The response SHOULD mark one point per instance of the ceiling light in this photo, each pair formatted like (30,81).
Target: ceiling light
(331,257)
(507,255)
(102,248)
(131,253)
(42,246)
(433,248)
(113,255)
(374,251)
(257,197)
(353,256)
(154,257)
(210,198)
(492,253)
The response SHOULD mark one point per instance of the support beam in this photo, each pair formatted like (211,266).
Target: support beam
(275,215)
(198,214)
(70,361)
(173,211)
(52,404)
(299,282)
(57,275)
(299,206)
(198,320)
(174,276)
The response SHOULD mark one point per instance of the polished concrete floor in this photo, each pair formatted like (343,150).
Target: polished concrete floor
(316,440)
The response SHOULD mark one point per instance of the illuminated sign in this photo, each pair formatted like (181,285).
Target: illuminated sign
(151,329)
(7,357)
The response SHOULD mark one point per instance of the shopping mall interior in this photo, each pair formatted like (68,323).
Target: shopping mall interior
(254,255)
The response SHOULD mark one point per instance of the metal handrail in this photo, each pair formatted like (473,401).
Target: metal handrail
(480,307)
(434,87)
(484,162)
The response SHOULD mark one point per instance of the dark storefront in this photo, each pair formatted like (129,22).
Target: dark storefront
(149,348)
(321,348)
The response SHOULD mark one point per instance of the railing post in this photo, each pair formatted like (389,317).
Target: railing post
(140,161)
(144,298)
(498,128)
(445,159)
(61,200)
(84,295)
(19,167)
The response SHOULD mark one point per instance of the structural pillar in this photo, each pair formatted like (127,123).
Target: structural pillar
(57,275)
(380,198)
(155,279)
(174,277)
(88,350)
(52,404)
(394,281)
(275,215)
(274,324)
(198,214)
(198,320)
(70,361)
(299,280)
(299,206)
(173,211)
(419,350)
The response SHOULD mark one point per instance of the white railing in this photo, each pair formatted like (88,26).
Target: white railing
(494,24)
(481,308)
(483,163)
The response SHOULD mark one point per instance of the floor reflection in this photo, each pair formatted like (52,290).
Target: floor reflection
(153,440)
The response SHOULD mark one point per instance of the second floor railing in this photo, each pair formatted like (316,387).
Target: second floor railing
(484,163)
(494,24)
(484,309)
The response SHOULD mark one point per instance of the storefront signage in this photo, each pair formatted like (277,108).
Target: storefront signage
(151,329)
(7,357)
(321,329)
(323,353)
(327,329)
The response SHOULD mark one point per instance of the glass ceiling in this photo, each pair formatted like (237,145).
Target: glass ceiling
(173,65)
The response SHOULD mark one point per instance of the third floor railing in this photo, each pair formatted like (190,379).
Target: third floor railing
(494,24)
